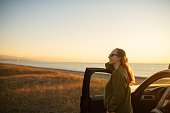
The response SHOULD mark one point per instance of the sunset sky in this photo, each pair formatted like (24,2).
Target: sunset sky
(85,31)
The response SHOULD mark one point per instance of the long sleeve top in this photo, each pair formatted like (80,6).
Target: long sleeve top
(117,95)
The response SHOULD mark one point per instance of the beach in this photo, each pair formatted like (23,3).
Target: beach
(32,89)
(139,80)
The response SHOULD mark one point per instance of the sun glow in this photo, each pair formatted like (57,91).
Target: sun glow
(71,32)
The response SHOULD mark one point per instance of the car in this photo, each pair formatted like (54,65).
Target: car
(151,96)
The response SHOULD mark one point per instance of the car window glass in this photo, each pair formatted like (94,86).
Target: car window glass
(158,87)
(161,82)
(166,105)
(97,82)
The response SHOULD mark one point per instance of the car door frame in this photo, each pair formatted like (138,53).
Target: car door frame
(85,101)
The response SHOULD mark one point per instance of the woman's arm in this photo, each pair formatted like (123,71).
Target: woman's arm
(119,86)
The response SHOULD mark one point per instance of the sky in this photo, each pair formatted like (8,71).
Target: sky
(85,31)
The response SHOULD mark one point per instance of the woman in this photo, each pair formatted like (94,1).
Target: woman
(117,96)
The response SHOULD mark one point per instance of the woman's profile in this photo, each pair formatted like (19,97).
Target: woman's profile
(117,94)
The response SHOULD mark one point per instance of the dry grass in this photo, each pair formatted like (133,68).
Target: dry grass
(31,90)
(6,70)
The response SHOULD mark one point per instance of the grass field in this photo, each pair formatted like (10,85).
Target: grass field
(32,90)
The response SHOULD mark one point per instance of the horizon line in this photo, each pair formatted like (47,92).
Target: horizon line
(76,61)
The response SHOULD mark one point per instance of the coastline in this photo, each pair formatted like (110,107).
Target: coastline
(79,73)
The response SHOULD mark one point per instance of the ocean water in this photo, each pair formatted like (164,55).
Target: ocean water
(140,70)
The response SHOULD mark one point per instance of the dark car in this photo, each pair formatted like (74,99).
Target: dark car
(151,96)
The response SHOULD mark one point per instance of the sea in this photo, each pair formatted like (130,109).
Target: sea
(140,70)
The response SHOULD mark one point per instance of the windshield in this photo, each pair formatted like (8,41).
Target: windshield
(161,82)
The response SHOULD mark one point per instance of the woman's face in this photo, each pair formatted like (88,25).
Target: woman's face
(113,58)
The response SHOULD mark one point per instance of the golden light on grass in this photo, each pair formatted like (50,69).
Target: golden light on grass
(25,89)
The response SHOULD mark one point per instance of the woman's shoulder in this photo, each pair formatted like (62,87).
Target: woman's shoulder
(120,74)
(120,71)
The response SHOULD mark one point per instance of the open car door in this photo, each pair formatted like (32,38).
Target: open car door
(90,101)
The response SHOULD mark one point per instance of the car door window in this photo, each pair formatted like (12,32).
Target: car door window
(98,82)
(161,82)
(158,87)
(153,93)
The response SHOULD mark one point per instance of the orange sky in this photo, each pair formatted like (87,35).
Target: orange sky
(85,31)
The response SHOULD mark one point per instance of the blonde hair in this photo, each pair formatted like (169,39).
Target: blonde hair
(124,62)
